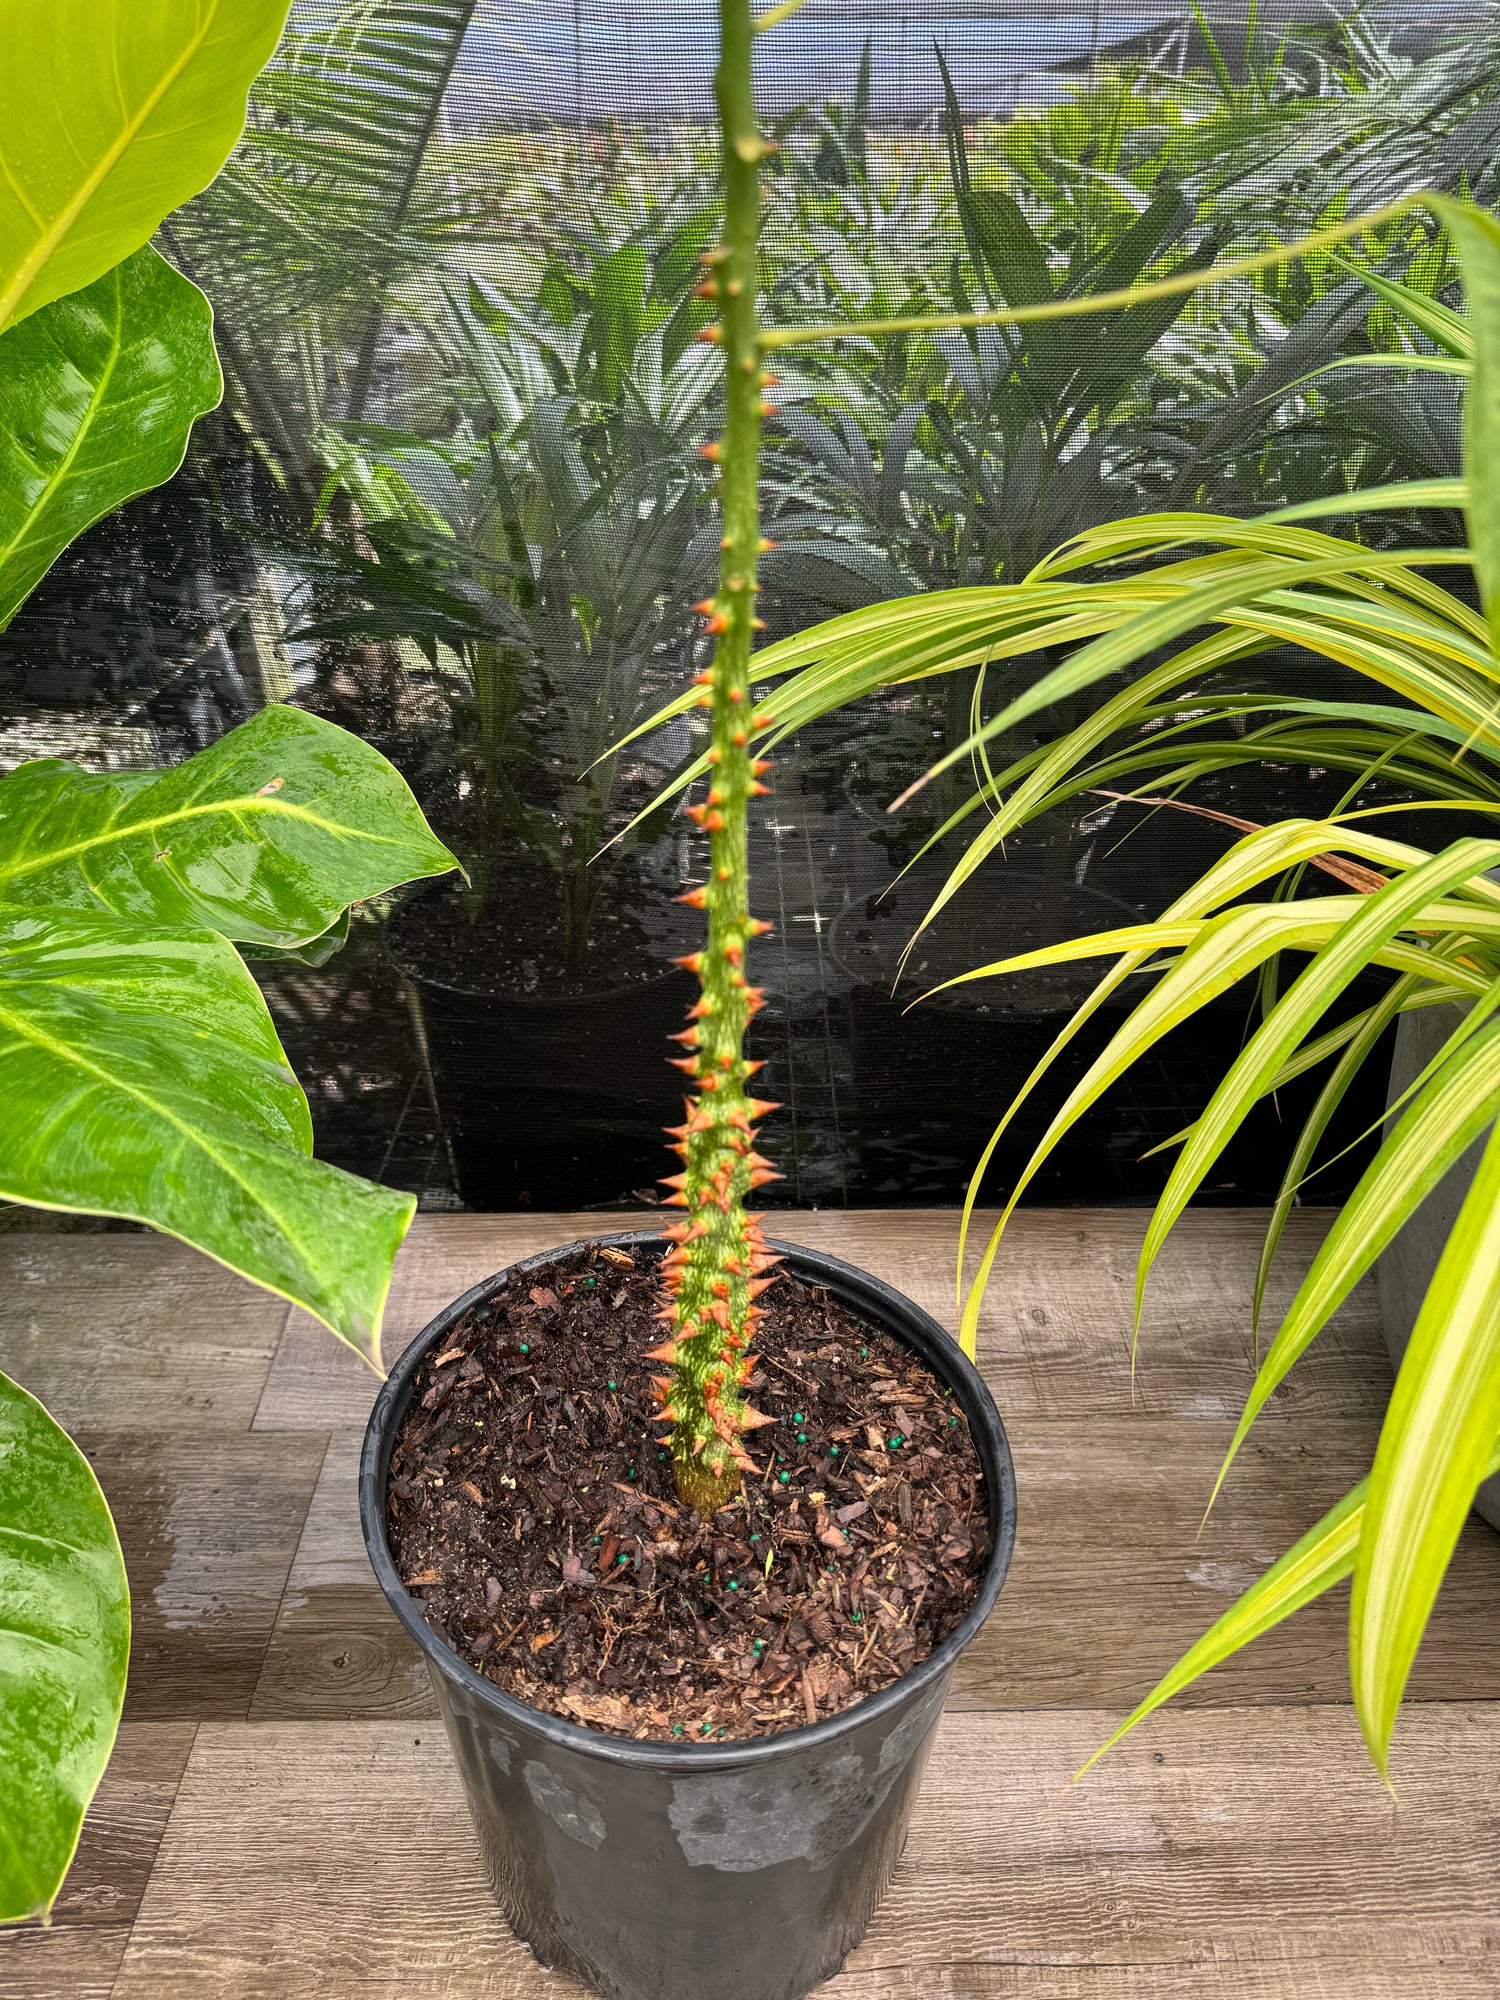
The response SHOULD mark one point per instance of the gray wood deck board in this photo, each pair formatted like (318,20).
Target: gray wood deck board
(282,1817)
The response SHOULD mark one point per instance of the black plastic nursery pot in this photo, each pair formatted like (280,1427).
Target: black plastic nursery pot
(549,1100)
(663,1871)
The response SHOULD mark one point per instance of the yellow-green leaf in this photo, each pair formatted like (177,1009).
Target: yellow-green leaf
(112,114)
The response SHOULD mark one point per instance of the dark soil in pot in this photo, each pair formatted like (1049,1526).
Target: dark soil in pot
(552,1085)
(512,950)
(532,1512)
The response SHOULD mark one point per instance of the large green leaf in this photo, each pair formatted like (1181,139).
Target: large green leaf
(140,1076)
(98,393)
(64,1644)
(267,836)
(112,114)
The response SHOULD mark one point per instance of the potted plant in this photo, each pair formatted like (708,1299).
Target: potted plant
(690,1609)
(143,1076)
(556,571)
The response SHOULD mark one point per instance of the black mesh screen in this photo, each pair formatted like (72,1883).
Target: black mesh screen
(453,501)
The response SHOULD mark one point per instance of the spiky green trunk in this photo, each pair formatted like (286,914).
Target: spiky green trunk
(713,1270)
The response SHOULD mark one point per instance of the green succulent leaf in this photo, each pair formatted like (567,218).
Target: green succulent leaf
(64,1645)
(141,1076)
(112,114)
(266,837)
(98,394)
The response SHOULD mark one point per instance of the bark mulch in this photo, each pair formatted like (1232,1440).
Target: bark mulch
(533,1516)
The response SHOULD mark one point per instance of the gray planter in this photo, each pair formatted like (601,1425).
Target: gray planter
(1406,1269)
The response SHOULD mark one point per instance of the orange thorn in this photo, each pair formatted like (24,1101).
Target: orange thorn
(710,452)
(666,1352)
(753,1419)
(692,963)
(711,336)
(715,626)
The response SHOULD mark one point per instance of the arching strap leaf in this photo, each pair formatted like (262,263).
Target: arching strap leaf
(1325,1555)
(1434,1448)
(1362,939)
(1436,1129)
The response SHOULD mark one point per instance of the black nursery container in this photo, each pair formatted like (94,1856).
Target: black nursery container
(549,1100)
(656,1871)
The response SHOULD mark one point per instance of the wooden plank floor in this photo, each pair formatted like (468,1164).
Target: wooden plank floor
(282,1820)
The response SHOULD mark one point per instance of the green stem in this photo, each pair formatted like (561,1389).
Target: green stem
(1097,302)
(713,1269)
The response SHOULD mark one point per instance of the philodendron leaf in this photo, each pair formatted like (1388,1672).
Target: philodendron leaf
(98,393)
(266,837)
(112,114)
(141,1076)
(64,1644)
(317,951)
